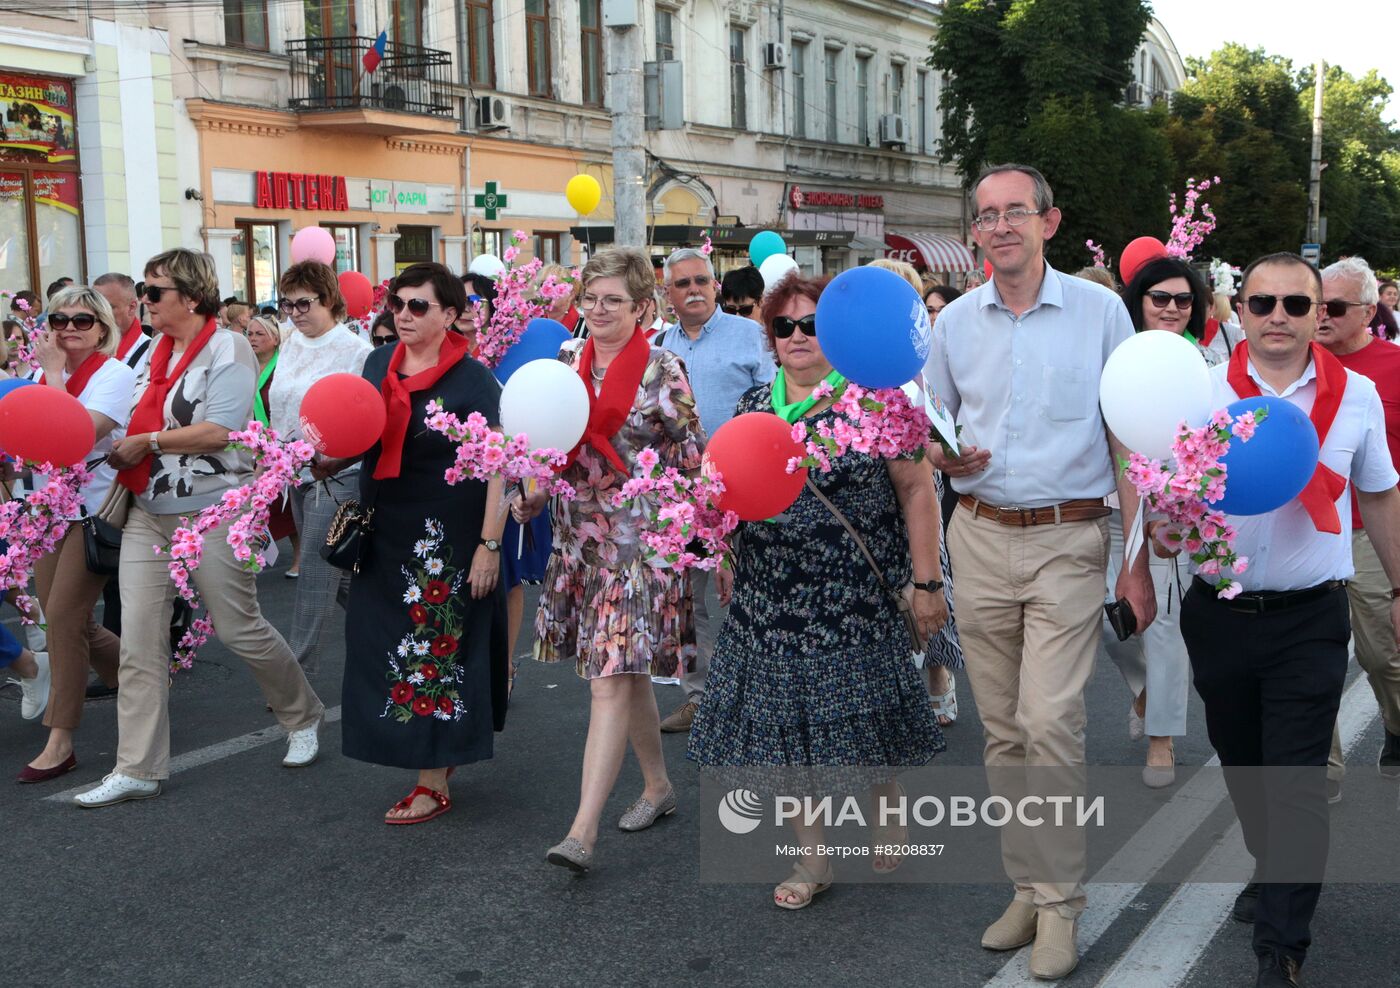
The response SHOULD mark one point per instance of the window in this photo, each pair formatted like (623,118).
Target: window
(738,70)
(487,242)
(335,63)
(833,61)
(863,98)
(347,246)
(481,51)
(547,247)
(897,89)
(799,89)
(537,46)
(665,46)
(408,22)
(923,112)
(591,42)
(245,23)
(415,244)
(255,267)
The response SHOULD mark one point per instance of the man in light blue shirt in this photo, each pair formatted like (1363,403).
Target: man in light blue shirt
(724,356)
(1017,362)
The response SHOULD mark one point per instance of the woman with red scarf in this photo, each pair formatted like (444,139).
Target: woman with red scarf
(175,461)
(604,608)
(425,629)
(75,356)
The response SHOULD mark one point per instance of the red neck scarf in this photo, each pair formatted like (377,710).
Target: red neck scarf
(1319,498)
(83,374)
(149,414)
(1208,334)
(570,319)
(608,409)
(130,338)
(398,403)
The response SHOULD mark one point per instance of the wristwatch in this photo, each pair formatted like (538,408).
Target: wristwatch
(492,544)
(155,443)
(932,586)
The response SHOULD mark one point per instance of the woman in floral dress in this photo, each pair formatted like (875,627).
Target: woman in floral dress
(604,608)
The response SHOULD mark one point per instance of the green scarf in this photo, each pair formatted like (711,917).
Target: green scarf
(790,412)
(259,409)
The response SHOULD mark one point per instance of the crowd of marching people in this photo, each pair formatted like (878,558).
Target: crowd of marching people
(796,651)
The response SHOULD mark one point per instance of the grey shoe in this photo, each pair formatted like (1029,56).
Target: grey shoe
(1158,776)
(570,853)
(642,814)
(680,719)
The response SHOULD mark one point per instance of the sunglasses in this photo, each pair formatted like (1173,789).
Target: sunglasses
(740,310)
(1337,308)
(1294,305)
(783,327)
(1160,299)
(301,305)
(82,321)
(154,292)
(418,306)
(381,340)
(699,281)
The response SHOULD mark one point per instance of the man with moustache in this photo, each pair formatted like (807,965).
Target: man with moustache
(1270,662)
(724,356)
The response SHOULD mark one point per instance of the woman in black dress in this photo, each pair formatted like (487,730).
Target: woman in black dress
(425,664)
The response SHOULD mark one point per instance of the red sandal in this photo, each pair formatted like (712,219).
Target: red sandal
(443,805)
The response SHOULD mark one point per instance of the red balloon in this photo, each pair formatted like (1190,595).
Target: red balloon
(342,415)
(751,453)
(45,425)
(987,268)
(358,292)
(1138,253)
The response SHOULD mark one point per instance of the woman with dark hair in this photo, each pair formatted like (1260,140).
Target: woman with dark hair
(425,659)
(937,297)
(480,292)
(1167,293)
(382,331)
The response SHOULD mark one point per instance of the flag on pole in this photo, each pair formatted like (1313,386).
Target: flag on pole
(376,54)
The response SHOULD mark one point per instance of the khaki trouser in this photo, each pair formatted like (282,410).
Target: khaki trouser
(1374,638)
(1029,605)
(69,591)
(230,594)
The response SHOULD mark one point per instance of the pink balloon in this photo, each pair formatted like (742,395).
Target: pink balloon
(313,243)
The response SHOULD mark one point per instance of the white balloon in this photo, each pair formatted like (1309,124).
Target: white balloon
(488,264)
(774,269)
(546,400)
(1150,384)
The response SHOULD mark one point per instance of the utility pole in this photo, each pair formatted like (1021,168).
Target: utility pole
(1315,180)
(625,56)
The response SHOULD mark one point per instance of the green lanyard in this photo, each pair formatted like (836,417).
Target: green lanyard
(259,409)
(790,412)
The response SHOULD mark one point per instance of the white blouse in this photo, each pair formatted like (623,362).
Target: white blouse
(302,362)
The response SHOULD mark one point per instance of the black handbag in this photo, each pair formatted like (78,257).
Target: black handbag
(102,545)
(347,539)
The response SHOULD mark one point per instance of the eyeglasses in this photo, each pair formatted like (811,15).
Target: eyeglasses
(1014,217)
(934,310)
(1294,305)
(154,292)
(301,305)
(1160,299)
(381,340)
(418,306)
(699,281)
(82,321)
(783,327)
(1337,308)
(739,310)
(608,303)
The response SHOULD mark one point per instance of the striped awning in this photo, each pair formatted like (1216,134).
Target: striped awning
(930,251)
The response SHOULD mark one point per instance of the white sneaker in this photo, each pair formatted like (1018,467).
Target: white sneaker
(303,746)
(117,788)
(36,690)
(35,637)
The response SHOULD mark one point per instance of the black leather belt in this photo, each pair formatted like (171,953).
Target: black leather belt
(1269,601)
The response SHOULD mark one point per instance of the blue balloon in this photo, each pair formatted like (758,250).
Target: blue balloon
(9,384)
(540,341)
(1274,466)
(764,245)
(873,327)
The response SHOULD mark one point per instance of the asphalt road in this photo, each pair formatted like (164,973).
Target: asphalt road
(246,873)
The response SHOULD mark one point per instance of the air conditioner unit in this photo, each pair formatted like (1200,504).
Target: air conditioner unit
(774,56)
(893,130)
(492,113)
(1132,95)
(411,95)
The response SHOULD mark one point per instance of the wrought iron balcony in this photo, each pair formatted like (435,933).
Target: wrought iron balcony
(328,74)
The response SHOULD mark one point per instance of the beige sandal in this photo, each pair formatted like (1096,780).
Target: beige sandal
(803,887)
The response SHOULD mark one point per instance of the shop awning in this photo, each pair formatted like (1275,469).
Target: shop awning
(930,251)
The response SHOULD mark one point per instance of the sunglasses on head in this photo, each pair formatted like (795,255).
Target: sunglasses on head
(739,310)
(82,321)
(418,306)
(783,327)
(1294,305)
(1160,299)
(154,292)
(301,305)
(381,340)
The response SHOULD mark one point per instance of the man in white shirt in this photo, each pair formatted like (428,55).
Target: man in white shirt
(1270,663)
(134,347)
(1017,362)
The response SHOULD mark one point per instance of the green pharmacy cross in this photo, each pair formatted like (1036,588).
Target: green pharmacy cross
(491,201)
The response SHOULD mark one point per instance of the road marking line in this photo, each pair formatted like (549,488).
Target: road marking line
(1158,841)
(212,753)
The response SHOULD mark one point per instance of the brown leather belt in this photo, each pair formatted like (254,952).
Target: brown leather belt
(1082,509)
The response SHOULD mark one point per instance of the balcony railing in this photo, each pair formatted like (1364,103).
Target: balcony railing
(328,74)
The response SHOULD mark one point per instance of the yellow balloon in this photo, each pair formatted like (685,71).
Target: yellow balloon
(584,193)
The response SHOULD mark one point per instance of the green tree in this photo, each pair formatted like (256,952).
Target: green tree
(1040,81)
